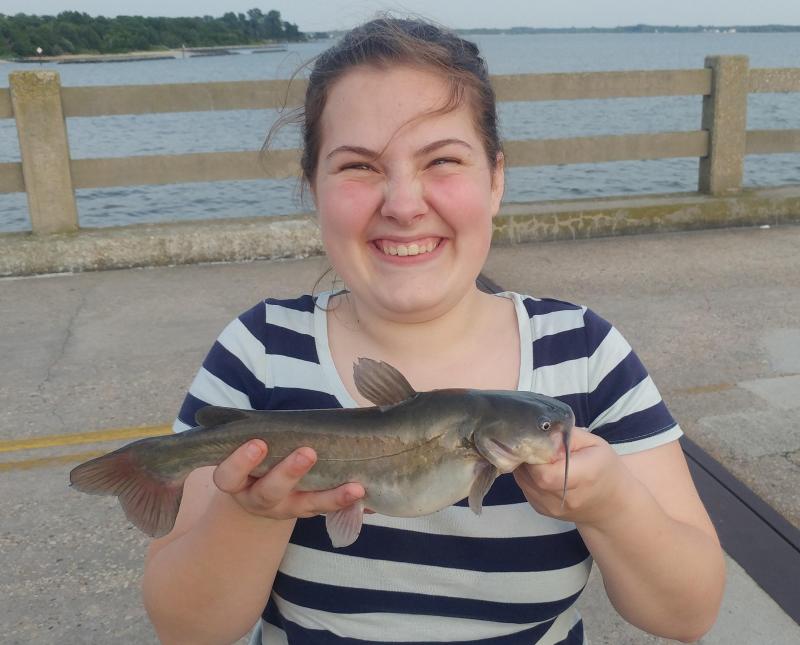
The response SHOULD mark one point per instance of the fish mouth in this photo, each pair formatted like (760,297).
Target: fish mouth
(500,455)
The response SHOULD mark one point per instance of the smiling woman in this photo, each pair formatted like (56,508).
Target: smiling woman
(431,185)
(404,163)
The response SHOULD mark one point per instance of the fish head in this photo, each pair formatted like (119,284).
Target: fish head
(523,427)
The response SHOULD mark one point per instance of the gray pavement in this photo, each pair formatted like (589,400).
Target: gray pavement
(715,316)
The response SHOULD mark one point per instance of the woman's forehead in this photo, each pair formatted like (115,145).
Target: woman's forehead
(371,104)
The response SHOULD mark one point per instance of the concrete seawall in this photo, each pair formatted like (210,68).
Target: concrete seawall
(298,236)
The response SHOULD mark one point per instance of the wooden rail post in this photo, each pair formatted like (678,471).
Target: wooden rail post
(725,119)
(42,131)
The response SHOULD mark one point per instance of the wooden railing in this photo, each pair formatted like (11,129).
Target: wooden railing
(49,176)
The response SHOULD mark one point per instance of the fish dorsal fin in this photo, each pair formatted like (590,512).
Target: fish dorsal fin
(213,415)
(381,383)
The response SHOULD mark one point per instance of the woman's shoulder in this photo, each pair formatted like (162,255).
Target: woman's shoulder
(294,313)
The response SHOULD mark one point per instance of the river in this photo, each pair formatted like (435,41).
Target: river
(244,130)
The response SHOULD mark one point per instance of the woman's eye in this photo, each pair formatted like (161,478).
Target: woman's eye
(357,166)
(443,161)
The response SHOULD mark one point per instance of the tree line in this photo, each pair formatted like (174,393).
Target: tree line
(73,32)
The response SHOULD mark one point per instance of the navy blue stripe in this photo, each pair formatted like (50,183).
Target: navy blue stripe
(229,369)
(290,398)
(536,553)
(304,303)
(580,407)
(626,375)
(348,600)
(557,348)
(191,404)
(547,306)
(277,339)
(596,329)
(638,425)
(302,636)
(287,342)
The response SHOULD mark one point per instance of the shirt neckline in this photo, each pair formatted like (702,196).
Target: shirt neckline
(338,389)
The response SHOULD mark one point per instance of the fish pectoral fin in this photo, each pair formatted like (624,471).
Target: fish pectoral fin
(344,526)
(214,415)
(381,383)
(485,474)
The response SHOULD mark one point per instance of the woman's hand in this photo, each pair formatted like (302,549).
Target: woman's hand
(596,481)
(273,495)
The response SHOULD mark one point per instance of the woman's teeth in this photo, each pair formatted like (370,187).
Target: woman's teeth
(409,249)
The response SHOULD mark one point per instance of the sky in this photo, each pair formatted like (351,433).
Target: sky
(323,15)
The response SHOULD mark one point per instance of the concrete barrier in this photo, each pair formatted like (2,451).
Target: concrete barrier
(49,176)
(292,237)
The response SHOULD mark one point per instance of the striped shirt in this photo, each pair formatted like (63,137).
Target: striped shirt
(508,577)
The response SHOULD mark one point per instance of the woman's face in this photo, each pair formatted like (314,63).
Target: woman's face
(405,199)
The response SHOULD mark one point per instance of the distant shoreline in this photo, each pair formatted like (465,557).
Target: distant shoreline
(133,56)
(637,29)
(477,31)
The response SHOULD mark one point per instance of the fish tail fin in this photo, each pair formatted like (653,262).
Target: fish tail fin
(565,437)
(149,501)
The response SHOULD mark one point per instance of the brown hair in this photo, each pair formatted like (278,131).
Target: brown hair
(387,40)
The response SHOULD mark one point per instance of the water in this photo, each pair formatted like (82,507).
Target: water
(244,130)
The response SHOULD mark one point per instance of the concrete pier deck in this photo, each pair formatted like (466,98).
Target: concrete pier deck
(715,316)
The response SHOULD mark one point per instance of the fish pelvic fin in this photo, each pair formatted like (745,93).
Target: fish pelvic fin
(485,474)
(381,383)
(344,526)
(150,502)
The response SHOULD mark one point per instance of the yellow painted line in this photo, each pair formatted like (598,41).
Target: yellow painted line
(28,464)
(79,438)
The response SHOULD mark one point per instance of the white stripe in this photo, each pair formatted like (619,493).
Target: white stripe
(215,391)
(556,322)
(179,426)
(238,340)
(560,628)
(564,378)
(505,521)
(297,373)
(299,321)
(268,634)
(647,443)
(606,357)
(640,397)
(364,573)
(387,628)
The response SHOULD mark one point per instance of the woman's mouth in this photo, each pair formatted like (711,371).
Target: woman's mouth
(403,249)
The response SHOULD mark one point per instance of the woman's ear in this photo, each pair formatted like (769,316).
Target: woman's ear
(498,182)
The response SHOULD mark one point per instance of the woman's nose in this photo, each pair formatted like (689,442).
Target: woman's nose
(404,199)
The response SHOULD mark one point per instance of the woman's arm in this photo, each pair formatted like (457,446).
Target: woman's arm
(209,580)
(646,528)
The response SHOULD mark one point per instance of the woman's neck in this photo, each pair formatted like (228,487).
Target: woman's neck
(474,345)
(422,335)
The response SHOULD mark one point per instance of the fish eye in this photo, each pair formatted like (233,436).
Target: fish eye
(544,424)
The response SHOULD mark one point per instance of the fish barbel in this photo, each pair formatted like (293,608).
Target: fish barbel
(414,452)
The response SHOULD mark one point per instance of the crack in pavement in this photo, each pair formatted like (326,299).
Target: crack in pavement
(60,352)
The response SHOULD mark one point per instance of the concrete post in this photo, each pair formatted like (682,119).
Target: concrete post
(725,119)
(42,131)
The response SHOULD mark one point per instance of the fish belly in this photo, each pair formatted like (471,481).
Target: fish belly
(408,492)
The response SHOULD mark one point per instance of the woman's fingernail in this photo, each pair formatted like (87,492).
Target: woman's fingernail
(302,460)
(253,450)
